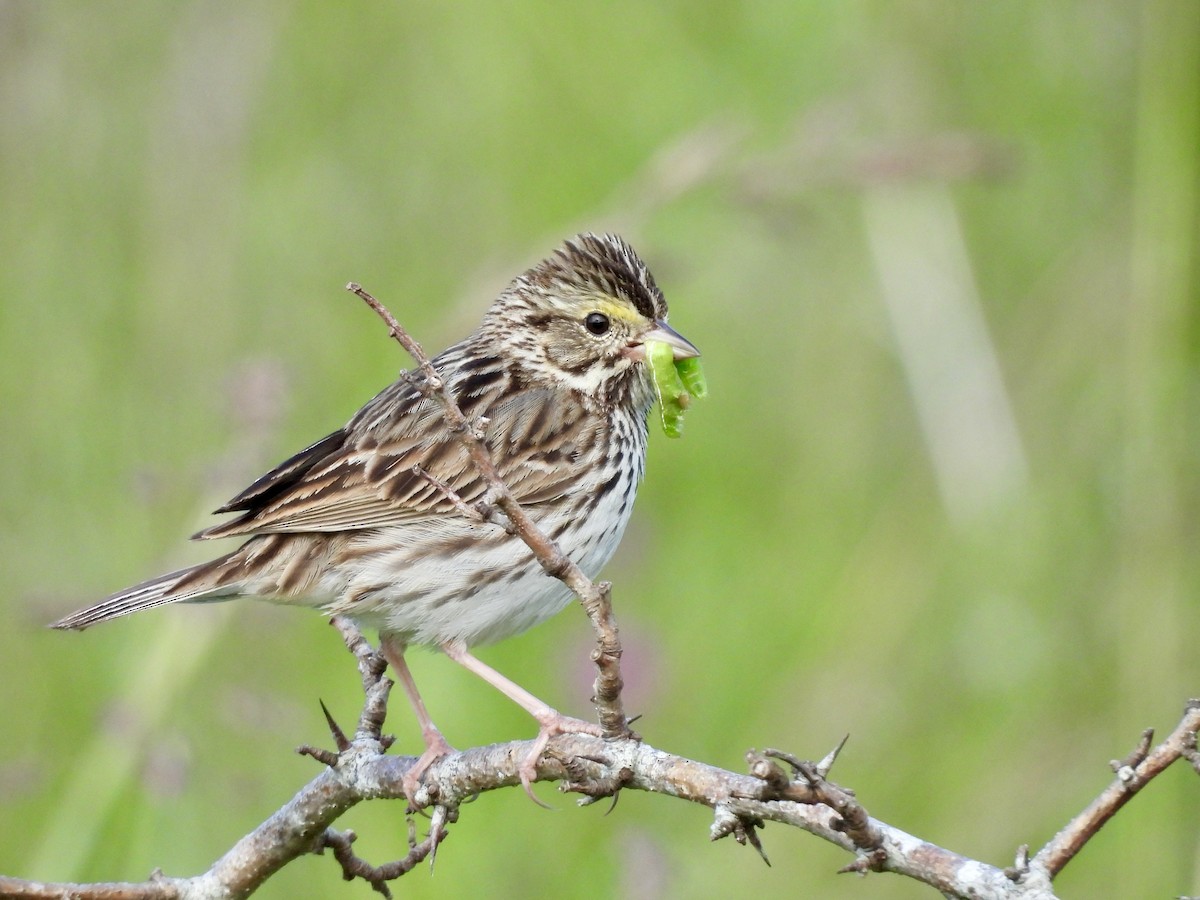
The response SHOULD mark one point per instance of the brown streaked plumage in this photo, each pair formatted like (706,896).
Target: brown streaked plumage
(557,374)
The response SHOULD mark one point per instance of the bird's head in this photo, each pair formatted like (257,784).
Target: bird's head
(581,318)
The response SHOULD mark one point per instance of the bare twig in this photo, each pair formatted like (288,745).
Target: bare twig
(596,598)
(1132,775)
(479,512)
(354,866)
(371,666)
(812,787)
(321,755)
(1136,756)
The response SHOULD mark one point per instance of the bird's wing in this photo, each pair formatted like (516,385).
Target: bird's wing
(363,476)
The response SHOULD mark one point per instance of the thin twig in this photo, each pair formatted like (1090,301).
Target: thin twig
(479,513)
(354,866)
(596,598)
(1062,848)
(371,666)
(812,787)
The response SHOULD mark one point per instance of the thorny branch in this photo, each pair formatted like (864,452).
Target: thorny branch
(742,804)
(596,767)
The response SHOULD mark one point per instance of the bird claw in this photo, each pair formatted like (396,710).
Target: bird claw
(436,747)
(552,724)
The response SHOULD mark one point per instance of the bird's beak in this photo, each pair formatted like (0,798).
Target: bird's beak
(680,346)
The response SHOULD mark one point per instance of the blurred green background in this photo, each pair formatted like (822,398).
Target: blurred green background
(941,260)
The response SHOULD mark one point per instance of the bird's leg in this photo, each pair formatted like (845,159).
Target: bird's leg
(435,745)
(550,721)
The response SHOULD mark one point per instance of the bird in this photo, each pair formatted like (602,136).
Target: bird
(369,521)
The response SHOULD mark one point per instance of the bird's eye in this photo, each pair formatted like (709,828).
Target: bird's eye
(596,323)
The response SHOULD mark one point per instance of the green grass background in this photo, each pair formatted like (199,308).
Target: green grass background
(940,258)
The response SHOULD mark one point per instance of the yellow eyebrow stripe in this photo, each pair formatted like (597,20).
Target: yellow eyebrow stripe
(616,310)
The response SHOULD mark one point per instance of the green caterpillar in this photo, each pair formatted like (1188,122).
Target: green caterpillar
(675,383)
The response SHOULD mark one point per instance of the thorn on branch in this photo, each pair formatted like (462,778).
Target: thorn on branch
(870,861)
(811,772)
(442,815)
(376,688)
(339,736)
(749,835)
(826,764)
(743,828)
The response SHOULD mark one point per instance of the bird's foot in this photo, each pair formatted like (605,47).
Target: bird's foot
(553,723)
(436,747)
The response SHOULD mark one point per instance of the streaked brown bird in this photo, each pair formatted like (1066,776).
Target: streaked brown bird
(558,374)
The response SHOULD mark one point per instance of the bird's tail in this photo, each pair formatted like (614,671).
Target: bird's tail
(206,581)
